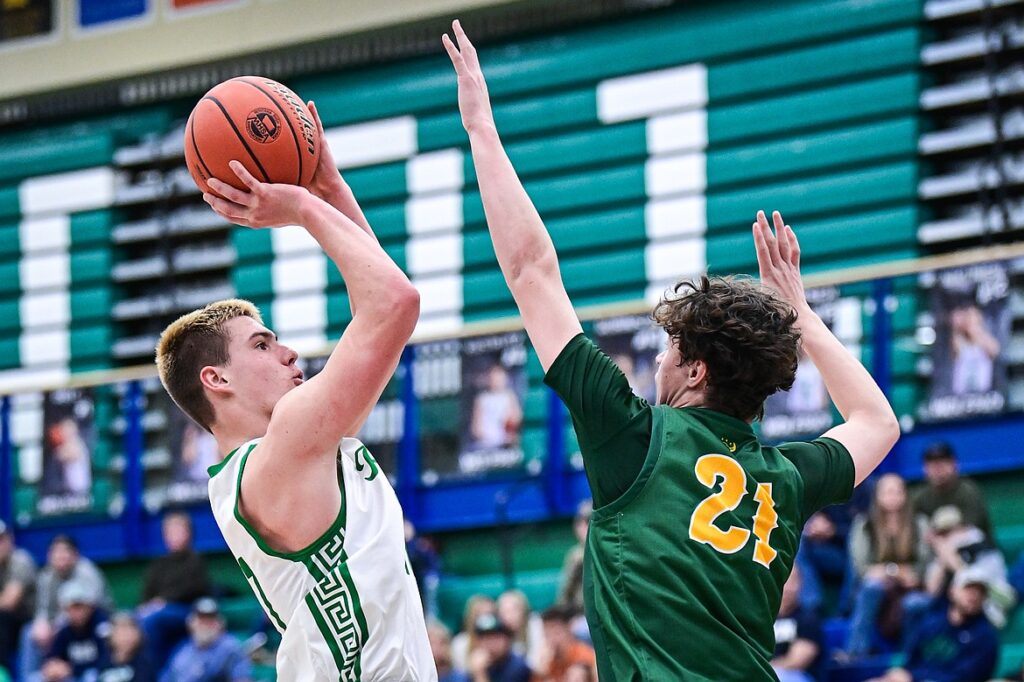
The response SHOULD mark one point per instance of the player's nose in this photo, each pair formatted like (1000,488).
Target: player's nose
(291,356)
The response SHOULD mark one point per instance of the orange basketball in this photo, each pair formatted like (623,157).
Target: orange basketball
(258,122)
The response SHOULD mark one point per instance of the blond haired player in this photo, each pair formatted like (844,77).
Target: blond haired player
(315,527)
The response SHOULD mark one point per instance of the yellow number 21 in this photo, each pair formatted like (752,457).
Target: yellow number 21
(712,468)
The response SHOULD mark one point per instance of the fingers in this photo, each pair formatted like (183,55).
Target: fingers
(245,176)
(770,239)
(782,237)
(226,209)
(228,192)
(453,53)
(761,248)
(316,118)
(465,45)
(794,247)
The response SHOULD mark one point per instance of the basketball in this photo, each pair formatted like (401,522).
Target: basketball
(258,122)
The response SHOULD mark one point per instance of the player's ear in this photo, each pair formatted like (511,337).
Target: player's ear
(696,373)
(213,378)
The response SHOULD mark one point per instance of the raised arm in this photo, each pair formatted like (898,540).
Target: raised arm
(310,419)
(870,428)
(521,242)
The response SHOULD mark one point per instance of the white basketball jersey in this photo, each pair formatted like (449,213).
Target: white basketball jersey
(347,606)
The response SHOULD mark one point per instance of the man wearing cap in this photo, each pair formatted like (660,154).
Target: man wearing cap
(493,659)
(17,592)
(956,642)
(211,655)
(945,487)
(79,647)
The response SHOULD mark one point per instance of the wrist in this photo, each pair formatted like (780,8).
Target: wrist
(482,132)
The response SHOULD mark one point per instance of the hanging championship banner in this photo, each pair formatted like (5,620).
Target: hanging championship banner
(969,330)
(69,439)
(805,409)
(633,343)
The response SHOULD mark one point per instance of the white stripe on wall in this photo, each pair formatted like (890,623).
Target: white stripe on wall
(300,314)
(668,175)
(645,94)
(364,144)
(424,214)
(68,192)
(680,132)
(291,274)
(44,234)
(293,239)
(435,171)
(44,271)
(45,309)
(686,216)
(44,347)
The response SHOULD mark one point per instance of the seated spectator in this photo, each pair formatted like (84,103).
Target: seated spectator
(957,545)
(441,647)
(493,659)
(578,672)
(63,564)
(210,654)
(464,642)
(798,635)
(889,552)
(426,567)
(561,649)
(525,625)
(79,646)
(127,661)
(955,643)
(945,487)
(17,593)
(173,583)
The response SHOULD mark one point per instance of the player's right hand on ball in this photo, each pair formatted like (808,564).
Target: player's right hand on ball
(474,102)
(262,205)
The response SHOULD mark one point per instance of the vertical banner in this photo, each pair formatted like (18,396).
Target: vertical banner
(805,409)
(385,425)
(493,393)
(970,321)
(633,343)
(193,450)
(69,440)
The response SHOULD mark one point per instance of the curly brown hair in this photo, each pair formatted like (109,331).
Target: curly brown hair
(745,335)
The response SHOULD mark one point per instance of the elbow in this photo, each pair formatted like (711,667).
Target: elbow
(526,268)
(890,427)
(405,306)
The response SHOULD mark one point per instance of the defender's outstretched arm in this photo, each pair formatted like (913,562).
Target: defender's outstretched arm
(870,428)
(521,242)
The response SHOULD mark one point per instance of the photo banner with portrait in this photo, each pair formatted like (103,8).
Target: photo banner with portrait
(805,410)
(493,394)
(69,440)
(384,428)
(633,342)
(968,327)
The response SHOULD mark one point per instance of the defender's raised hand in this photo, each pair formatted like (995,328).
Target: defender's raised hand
(474,102)
(263,205)
(778,259)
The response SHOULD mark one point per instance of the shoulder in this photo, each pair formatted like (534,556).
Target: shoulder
(969,488)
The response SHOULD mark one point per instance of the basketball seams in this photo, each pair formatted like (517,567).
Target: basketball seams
(195,147)
(241,138)
(287,118)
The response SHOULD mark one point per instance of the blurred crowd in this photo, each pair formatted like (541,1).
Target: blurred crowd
(893,575)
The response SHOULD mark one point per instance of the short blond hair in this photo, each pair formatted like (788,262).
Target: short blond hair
(193,341)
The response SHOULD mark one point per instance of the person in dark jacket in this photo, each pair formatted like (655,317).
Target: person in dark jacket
(173,583)
(128,661)
(955,642)
(79,646)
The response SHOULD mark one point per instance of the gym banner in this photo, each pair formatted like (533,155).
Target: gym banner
(69,441)
(805,410)
(968,329)
(633,343)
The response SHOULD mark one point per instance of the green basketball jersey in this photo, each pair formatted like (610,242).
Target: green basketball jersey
(688,551)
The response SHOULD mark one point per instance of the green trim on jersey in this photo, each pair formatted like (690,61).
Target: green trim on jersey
(249,575)
(303,554)
(335,606)
(215,469)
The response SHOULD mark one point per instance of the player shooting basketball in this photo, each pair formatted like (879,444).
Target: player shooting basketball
(315,527)
(695,524)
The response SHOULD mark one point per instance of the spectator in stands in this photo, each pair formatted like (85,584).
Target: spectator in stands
(525,625)
(465,641)
(63,564)
(17,593)
(889,552)
(798,635)
(956,642)
(823,557)
(211,654)
(579,672)
(441,647)
(128,661)
(561,649)
(945,487)
(79,646)
(956,545)
(493,659)
(426,567)
(570,589)
(173,583)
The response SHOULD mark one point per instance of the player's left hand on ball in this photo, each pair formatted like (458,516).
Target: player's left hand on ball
(263,205)
(474,102)
(778,259)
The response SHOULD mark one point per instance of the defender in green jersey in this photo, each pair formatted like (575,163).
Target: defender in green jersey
(696,524)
